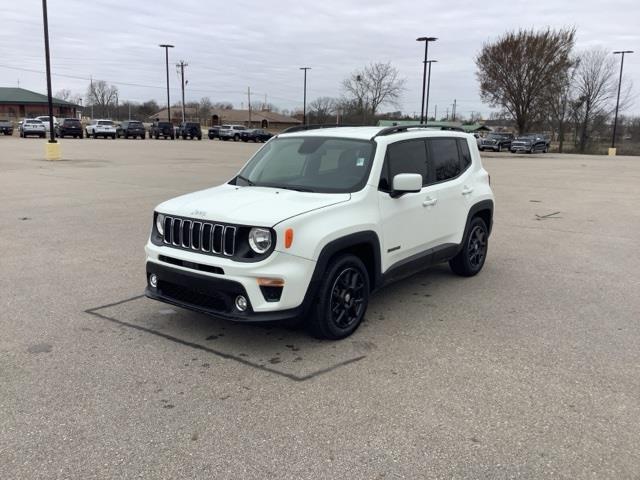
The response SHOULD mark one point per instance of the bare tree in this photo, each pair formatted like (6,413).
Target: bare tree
(559,99)
(321,109)
(223,106)
(375,85)
(204,110)
(66,95)
(595,91)
(516,71)
(102,96)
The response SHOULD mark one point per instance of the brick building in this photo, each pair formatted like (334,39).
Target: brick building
(18,103)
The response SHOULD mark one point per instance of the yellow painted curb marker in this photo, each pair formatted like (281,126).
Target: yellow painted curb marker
(52,151)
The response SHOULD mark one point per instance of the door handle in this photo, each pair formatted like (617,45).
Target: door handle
(467,190)
(429,202)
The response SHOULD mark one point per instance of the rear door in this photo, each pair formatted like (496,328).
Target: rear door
(450,186)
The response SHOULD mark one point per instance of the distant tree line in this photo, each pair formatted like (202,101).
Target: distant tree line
(539,81)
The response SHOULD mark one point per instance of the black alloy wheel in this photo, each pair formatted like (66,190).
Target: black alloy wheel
(471,257)
(342,299)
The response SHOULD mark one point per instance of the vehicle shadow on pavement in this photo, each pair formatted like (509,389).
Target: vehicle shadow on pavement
(270,347)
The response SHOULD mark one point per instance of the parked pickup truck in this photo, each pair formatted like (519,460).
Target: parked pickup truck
(6,127)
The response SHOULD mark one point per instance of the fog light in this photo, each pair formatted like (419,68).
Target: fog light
(153,280)
(241,303)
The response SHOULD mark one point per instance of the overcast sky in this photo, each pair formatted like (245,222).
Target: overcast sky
(235,44)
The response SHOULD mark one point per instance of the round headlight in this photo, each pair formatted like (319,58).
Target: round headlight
(259,239)
(160,223)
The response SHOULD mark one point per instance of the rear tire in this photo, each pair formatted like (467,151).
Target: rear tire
(342,299)
(469,261)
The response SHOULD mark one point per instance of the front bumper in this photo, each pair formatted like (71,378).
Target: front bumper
(520,148)
(200,289)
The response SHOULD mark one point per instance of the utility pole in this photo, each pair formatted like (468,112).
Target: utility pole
(453,112)
(304,101)
(435,115)
(615,121)
(249,104)
(447,114)
(166,53)
(92,94)
(182,65)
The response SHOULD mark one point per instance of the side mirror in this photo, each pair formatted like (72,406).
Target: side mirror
(406,183)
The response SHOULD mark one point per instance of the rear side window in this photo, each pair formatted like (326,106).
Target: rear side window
(404,157)
(445,158)
(465,154)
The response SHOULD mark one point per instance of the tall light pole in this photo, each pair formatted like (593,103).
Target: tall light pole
(426,41)
(166,53)
(615,121)
(426,109)
(304,101)
(45,21)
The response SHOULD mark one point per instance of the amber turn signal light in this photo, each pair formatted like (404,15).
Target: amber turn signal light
(288,237)
(271,282)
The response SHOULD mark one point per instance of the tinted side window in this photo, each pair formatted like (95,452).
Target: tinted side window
(444,156)
(465,154)
(404,157)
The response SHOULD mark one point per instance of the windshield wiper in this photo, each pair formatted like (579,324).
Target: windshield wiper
(249,182)
(297,189)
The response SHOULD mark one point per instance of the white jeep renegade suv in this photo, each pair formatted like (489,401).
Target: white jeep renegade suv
(317,220)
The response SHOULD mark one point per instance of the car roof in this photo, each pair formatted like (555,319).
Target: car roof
(369,133)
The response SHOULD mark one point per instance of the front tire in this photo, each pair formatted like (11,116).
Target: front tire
(469,261)
(342,299)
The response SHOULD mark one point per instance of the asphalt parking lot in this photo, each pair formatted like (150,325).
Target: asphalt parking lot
(531,369)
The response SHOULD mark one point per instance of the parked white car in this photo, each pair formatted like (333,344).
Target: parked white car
(45,120)
(317,220)
(32,127)
(101,128)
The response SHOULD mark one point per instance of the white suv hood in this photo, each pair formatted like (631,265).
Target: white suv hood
(260,206)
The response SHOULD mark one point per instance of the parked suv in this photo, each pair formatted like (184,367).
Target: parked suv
(6,127)
(255,135)
(496,142)
(32,126)
(131,128)
(190,130)
(318,220)
(101,128)
(162,129)
(70,127)
(530,143)
(45,121)
(214,132)
(227,132)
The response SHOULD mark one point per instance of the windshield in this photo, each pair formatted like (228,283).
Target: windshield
(495,136)
(314,164)
(105,122)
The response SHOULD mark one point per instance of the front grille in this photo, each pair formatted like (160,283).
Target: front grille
(211,300)
(206,237)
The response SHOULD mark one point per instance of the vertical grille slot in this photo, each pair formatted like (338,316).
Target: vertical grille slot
(168,228)
(175,227)
(229,240)
(186,234)
(217,238)
(196,235)
(207,231)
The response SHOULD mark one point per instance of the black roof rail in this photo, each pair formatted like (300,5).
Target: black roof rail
(302,128)
(403,128)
